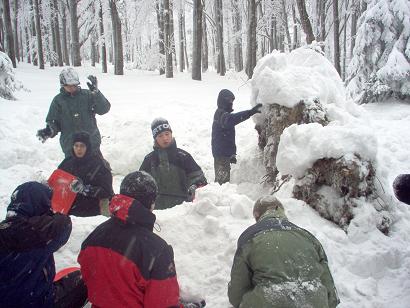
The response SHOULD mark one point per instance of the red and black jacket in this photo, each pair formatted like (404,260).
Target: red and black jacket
(124,264)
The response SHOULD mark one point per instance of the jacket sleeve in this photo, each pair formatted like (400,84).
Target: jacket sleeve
(146,164)
(326,278)
(53,118)
(229,120)
(241,279)
(193,172)
(100,105)
(103,189)
(163,289)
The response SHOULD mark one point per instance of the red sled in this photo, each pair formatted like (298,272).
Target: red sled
(63,197)
(65,272)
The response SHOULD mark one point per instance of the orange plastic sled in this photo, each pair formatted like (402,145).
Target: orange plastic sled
(63,197)
(65,271)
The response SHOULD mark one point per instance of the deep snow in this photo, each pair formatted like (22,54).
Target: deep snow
(370,269)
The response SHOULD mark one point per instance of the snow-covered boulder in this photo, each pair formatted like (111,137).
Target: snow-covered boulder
(309,131)
(380,67)
(8,83)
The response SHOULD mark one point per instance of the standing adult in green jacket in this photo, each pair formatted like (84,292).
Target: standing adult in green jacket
(73,110)
(175,171)
(279,265)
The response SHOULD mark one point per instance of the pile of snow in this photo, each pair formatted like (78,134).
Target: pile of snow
(380,67)
(8,83)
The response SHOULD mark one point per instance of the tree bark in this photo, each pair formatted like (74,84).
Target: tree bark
(237,29)
(295,28)
(16,36)
(75,35)
(57,33)
(39,38)
(9,33)
(117,37)
(66,54)
(221,68)
(251,39)
(160,20)
(181,22)
(336,36)
(304,19)
(28,48)
(102,40)
(286,24)
(204,41)
(197,40)
(33,32)
(353,27)
(169,73)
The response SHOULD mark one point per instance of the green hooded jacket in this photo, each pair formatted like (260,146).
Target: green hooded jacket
(279,265)
(69,114)
(175,171)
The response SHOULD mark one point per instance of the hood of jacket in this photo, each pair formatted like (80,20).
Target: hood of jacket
(225,100)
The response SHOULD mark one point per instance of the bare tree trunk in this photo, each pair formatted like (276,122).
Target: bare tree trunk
(102,40)
(169,73)
(33,33)
(295,28)
(57,33)
(66,54)
(344,41)
(9,33)
(204,42)
(336,36)
(322,17)
(286,24)
(353,27)
(304,19)
(16,36)
(52,55)
(93,51)
(117,37)
(1,33)
(28,47)
(181,22)
(160,20)
(197,40)
(39,38)
(172,31)
(221,68)
(75,35)
(251,39)
(237,29)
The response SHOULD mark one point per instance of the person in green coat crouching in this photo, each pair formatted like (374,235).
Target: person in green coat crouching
(279,265)
(175,171)
(73,110)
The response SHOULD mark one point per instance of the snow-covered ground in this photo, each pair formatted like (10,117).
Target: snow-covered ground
(370,269)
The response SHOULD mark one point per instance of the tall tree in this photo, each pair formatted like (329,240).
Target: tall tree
(182,41)
(64,38)
(304,19)
(204,41)
(9,32)
(251,41)
(336,22)
(221,68)
(16,28)
(75,35)
(353,26)
(237,29)
(160,21)
(295,28)
(169,73)
(197,40)
(39,36)
(102,39)
(56,24)
(117,38)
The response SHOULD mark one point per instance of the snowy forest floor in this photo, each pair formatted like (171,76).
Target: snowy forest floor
(370,269)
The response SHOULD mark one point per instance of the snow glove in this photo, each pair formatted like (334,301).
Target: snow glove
(198,304)
(191,192)
(232,159)
(256,109)
(79,187)
(45,133)
(93,85)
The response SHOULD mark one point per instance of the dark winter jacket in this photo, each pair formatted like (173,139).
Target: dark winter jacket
(28,237)
(278,264)
(73,113)
(124,264)
(94,171)
(175,171)
(223,126)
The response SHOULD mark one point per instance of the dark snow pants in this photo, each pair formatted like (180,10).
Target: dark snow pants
(70,291)
(222,167)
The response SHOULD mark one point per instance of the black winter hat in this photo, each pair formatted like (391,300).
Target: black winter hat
(160,125)
(141,186)
(401,186)
(225,98)
(83,137)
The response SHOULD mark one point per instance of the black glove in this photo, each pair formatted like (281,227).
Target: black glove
(93,85)
(44,134)
(199,304)
(232,159)
(256,109)
(191,192)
